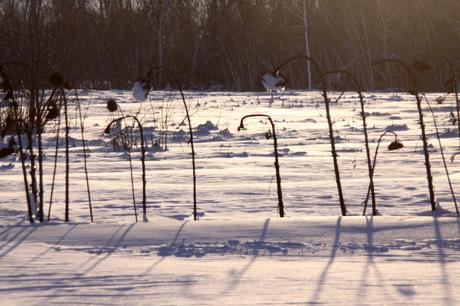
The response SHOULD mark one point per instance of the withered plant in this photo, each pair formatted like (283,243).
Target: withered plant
(126,136)
(28,115)
(85,163)
(281,81)
(60,87)
(141,90)
(275,149)
(12,122)
(144,180)
(441,149)
(30,108)
(451,84)
(394,145)
(357,89)
(414,90)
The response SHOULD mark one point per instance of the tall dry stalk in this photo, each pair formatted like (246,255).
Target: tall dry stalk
(442,155)
(144,180)
(357,87)
(415,91)
(395,145)
(85,163)
(329,121)
(144,85)
(277,165)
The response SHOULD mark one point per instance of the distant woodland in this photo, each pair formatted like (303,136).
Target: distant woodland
(227,44)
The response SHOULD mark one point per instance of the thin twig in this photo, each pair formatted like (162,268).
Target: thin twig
(82,129)
(56,150)
(442,155)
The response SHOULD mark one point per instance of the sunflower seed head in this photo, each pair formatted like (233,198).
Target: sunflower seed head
(53,113)
(6,151)
(395,145)
(112,106)
(268,134)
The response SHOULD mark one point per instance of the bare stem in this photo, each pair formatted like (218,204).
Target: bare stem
(366,137)
(415,91)
(67,161)
(277,165)
(373,169)
(329,122)
(56,150)
(152,73)
(82,130)
(442,155)
(144,180)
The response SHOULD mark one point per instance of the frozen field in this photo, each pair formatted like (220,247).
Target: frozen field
(235,169)
(240,251)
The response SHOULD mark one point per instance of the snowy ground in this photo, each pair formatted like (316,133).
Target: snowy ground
(312,260)
(240,252)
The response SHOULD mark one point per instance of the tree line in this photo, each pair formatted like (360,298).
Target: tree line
(226,44)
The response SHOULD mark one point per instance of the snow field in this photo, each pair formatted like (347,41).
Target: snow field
(239,252)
